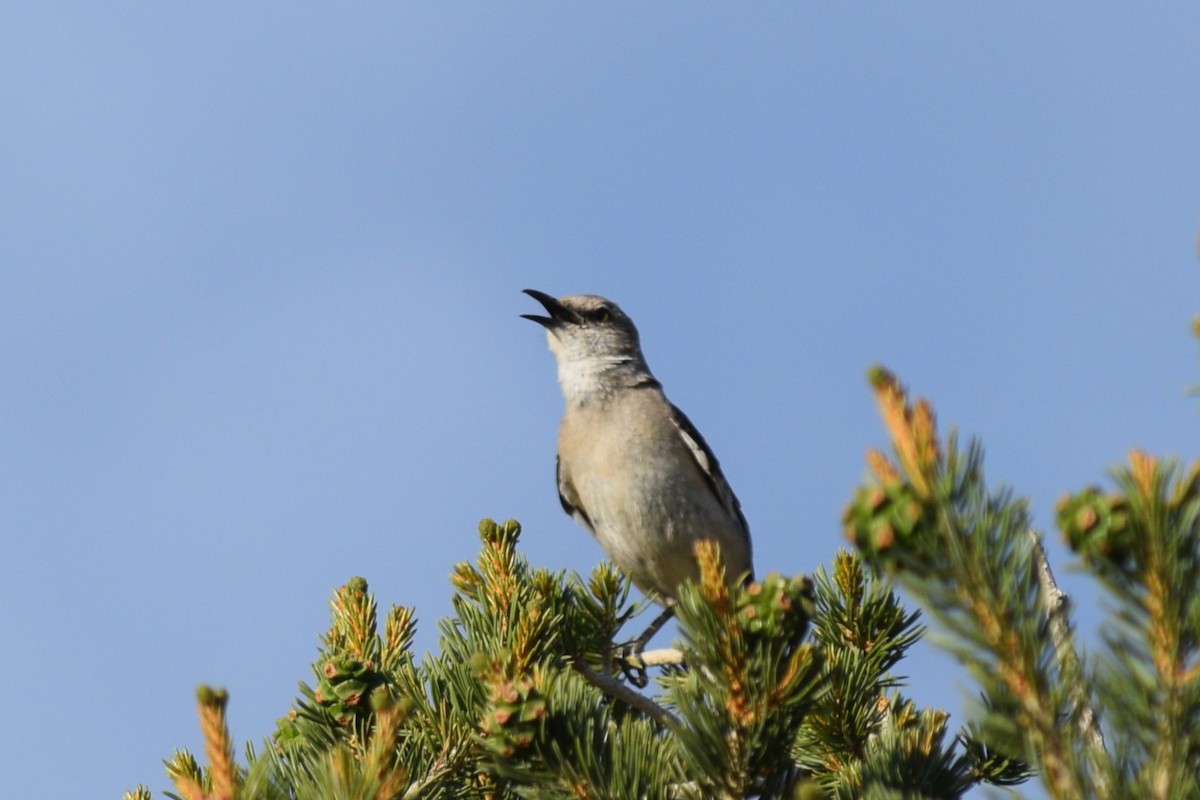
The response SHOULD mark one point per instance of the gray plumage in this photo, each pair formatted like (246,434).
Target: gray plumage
(632,469)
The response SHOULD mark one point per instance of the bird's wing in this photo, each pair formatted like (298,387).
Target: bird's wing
(710,469)
(569,499)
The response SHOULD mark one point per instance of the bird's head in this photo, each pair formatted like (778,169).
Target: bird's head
(595,343)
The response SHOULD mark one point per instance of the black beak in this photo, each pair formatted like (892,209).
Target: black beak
(559,314)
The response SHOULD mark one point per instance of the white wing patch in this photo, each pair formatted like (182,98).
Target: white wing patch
(707,462)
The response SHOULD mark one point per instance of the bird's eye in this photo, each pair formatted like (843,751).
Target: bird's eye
(601,314)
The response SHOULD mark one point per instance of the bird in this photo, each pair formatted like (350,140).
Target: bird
(631,467)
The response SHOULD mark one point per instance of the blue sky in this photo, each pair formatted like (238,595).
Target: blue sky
(262,269)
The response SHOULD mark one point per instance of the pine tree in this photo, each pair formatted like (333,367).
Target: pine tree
(1122,723)
(786,688)
(523,700)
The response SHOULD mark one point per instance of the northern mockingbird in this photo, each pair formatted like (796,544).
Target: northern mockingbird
(632,469)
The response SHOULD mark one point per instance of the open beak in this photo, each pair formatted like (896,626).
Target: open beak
(559,314)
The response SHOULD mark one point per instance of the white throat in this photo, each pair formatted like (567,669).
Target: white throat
(592,378)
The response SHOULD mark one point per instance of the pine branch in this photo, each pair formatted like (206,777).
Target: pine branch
(862,738)
(750,682)
(966,554)
(516,704)
(1144,544)
(221,780)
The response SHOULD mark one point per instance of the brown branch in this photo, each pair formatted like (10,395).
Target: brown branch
(614,688)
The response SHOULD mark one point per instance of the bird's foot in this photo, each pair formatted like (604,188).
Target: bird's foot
(628,657)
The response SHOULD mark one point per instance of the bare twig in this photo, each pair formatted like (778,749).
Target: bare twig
(441,766)
(666,656)
(1057,606)
(614,688)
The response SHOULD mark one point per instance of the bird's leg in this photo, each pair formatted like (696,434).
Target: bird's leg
(629,654)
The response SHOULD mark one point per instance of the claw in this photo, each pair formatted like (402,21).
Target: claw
(629,655)
(629,658)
